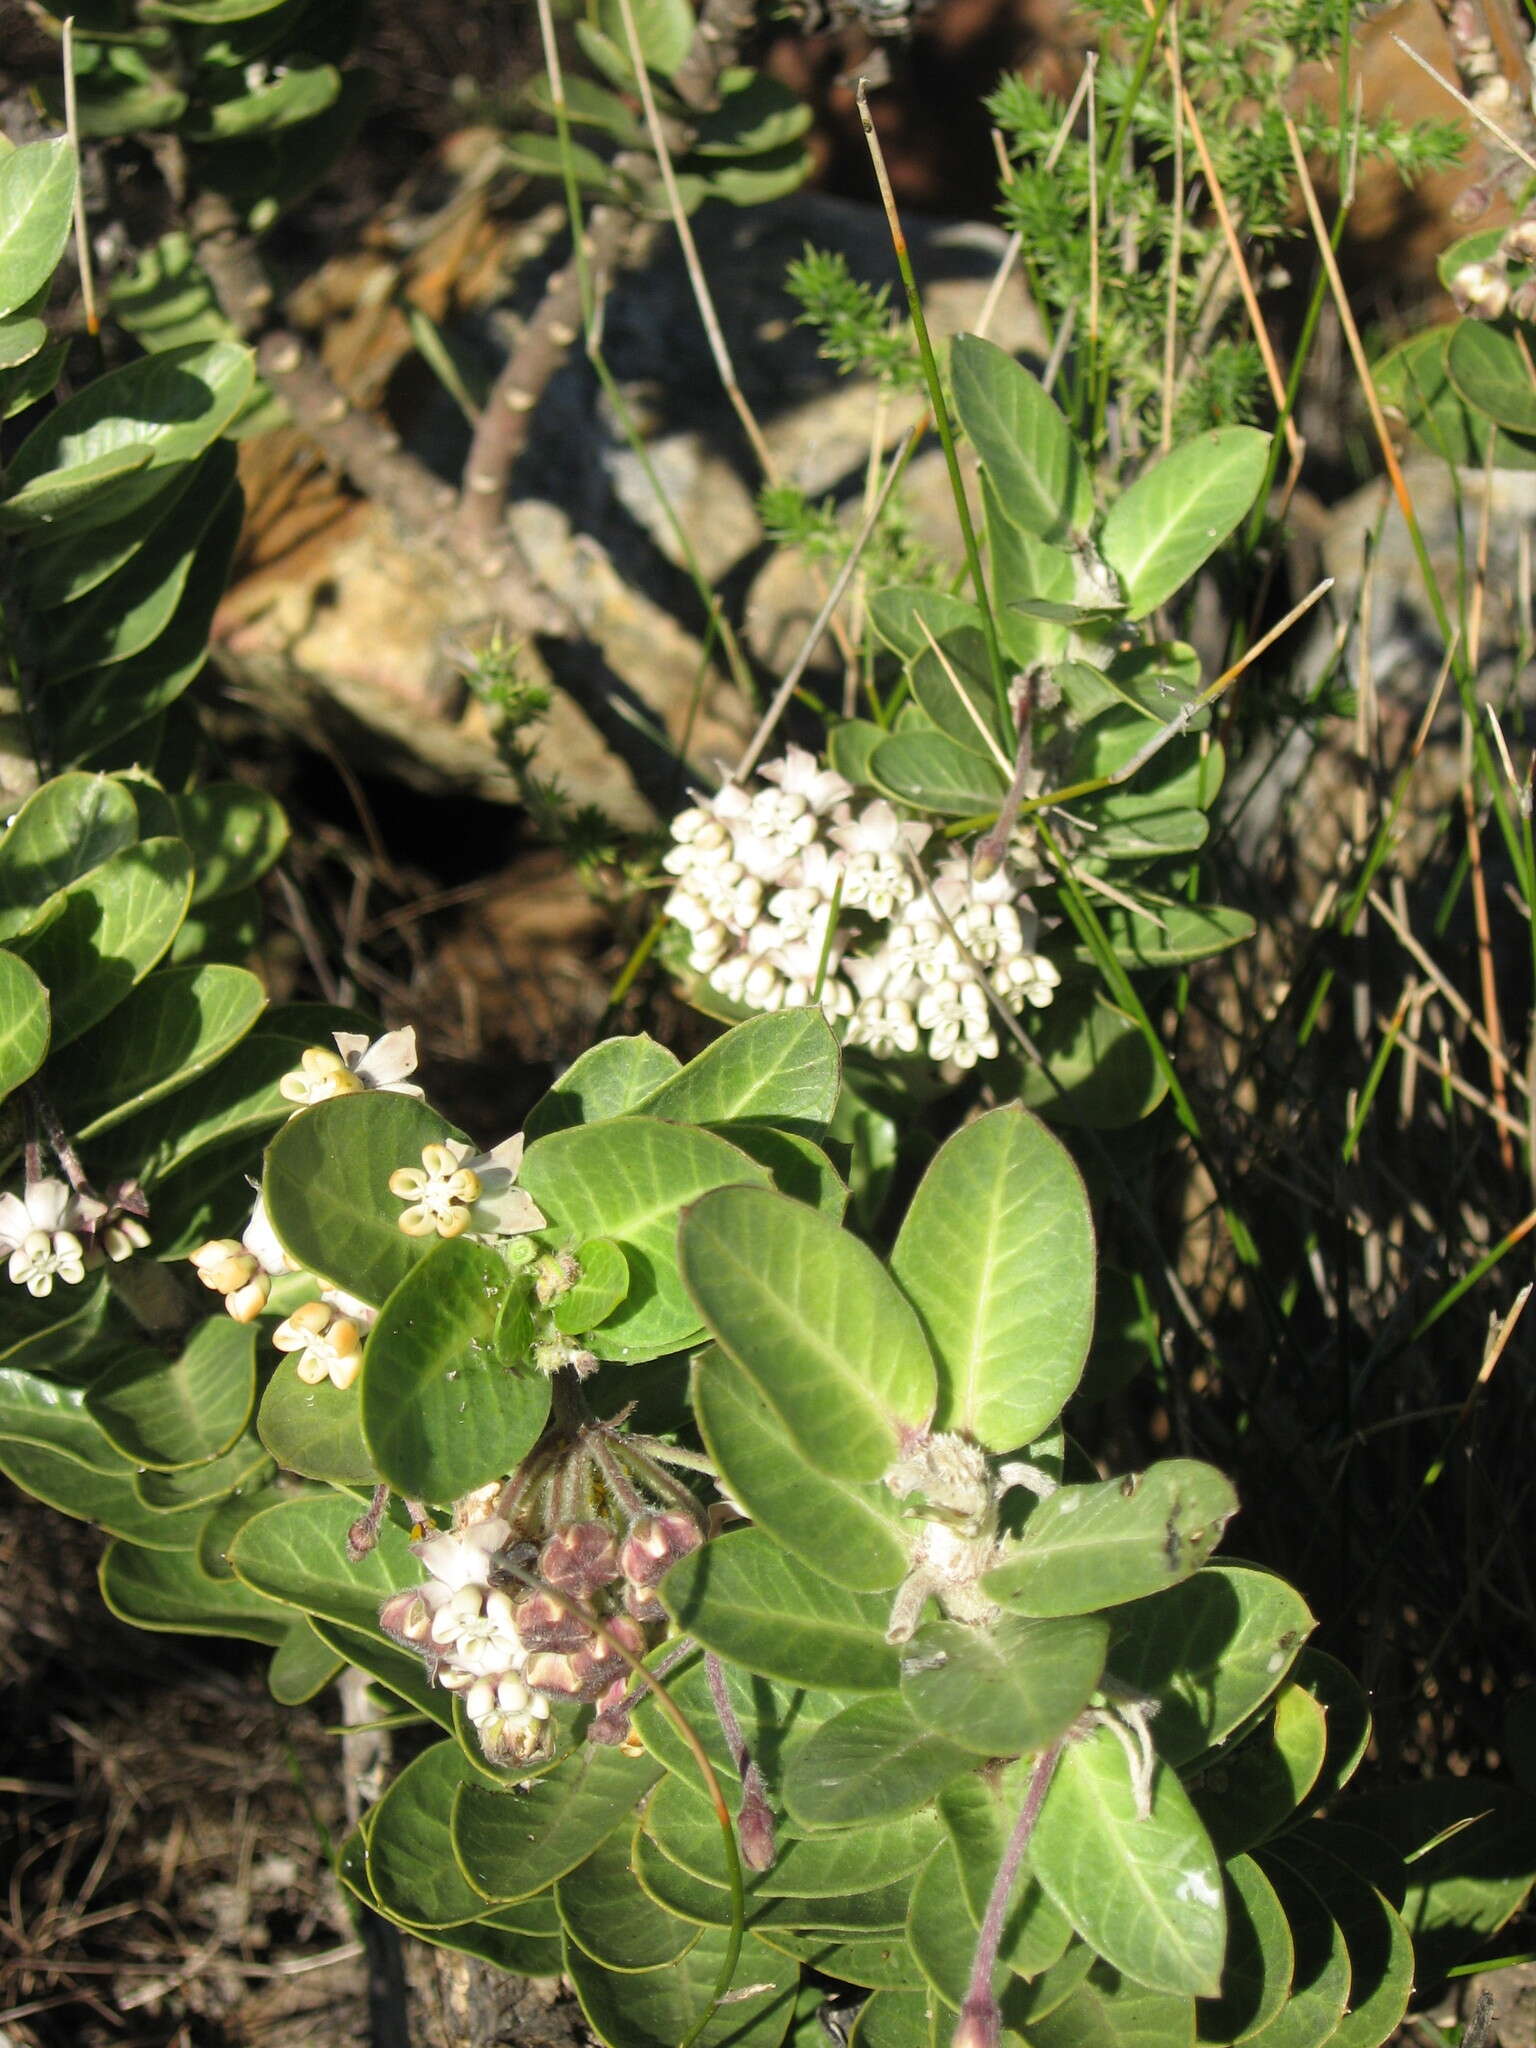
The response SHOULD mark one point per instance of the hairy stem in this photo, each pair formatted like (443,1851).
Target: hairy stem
(980,2021)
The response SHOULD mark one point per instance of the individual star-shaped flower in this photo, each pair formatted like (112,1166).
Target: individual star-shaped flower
(354,1066)
(329,1346)
(457,1189)
(38,1228)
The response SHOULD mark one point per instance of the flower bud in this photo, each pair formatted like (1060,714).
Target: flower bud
(550,1672)
(553,1275)
(545,1623)
(610,1727)
(247,1302)
(1480,290)
(755,1833)
(580,1558)
(654,1545)
(644,1604)
(1519,243)
(1523,300)
(406,1617)
(980,2025)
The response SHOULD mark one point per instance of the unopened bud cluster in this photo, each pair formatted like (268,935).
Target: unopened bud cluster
(791,896)
(514,1620)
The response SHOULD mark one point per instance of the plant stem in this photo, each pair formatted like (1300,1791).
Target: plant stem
(979,2016)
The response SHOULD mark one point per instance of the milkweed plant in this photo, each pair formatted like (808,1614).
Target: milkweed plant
(759,1636)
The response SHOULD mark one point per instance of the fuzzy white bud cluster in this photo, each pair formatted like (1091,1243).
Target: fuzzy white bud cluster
(790,895)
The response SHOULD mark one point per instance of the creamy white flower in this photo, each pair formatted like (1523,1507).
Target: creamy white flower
(511,1720)
(383,1064)
(38,1228)
(958,1023)
(329,1346)
(476,1631)
(800,774)
(464,1558)
(456,1189)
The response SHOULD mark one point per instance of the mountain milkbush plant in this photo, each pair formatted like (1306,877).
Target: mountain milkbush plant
(756,1624)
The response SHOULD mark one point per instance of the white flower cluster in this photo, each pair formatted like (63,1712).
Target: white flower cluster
(791,896)
(454,1190)
(51,1231)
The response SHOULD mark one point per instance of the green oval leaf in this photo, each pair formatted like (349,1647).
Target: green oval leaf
(996,1254)
(744,1597)
(1007,1689)
(158,1589)
(24,1023)
(629,1180)
(936,773)
(442,1413)
(171,1412)
(174,1026)
(1088,1547)
(315,1431)
(873,1760)
(611,1920)
(1491,368)
(979,1814)
(784,1069)
(812,1317)
(510,1845)
(1256,1976)
(63,831)
(1249,1792)
(411,1870)
(235,833)
(1144,1891)
(37,193)
(1025,444)
(943,1936)
(1178,512)
(296,1552)
(609,1079)
(659,2008)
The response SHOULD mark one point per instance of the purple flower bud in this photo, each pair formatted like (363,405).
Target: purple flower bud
(1523,302)
(655,1544)
(580,1558)
(544,1622)
(550,1672)
(643,1604)
(980,2025)
(754,1832)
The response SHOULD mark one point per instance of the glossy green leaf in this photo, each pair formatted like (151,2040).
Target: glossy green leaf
(1381,1953)
(69,499)
(327,1189)
(849,1530)
(874,1961)
(166,1412)
(24,1023)
(1256,1974)
(302,1666)
(224,1521)
(296,1552)
(410,1855)
(1210,1652)
(979,1813)
(235,833)
(1491,368)
(510,1845)
(815,1321)
(165,1590)
(173,1027)
(40,1411)
(37,191)
(879,1910)
(1025,445)
(1414,382)
(442,1413)
(1088,1547)
(899,612)
(630,1180)
(899,2019)
(1319,1989)
(1004,1690)
(55,1334)
(953,684)
(747,1599)
(233,1098)
(936,773)
(609,1079)
(943,1937)
(244,1466)
(113,927)
(64,829)
(765,1710)
(603,1285)
(1178,512)
(1109,2010)
(682,1823)
(659,2008)
(611,1920)
(91,1494)
(1246,1793)
(1094,1069)
(1343,1699)
(997,1256)
(395,1669)
(300,93)
(1144,1891)
(799,1168)
(874,1759)
(783,1068)
(178,402)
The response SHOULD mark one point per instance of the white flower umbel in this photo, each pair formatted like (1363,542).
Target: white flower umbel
(456,1189)
(38,1229)
(473,1632)
(354,1066)
(789,896)
(329,1346)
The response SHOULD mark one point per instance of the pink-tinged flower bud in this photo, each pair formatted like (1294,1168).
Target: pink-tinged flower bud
(610,1727)
(546,1623)
(406,1617)
(644,1604)
(1471,205)
(755,1833)
(550,1672)
(655,1544)
(580,1558)
(1523,301)
(1519,242)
